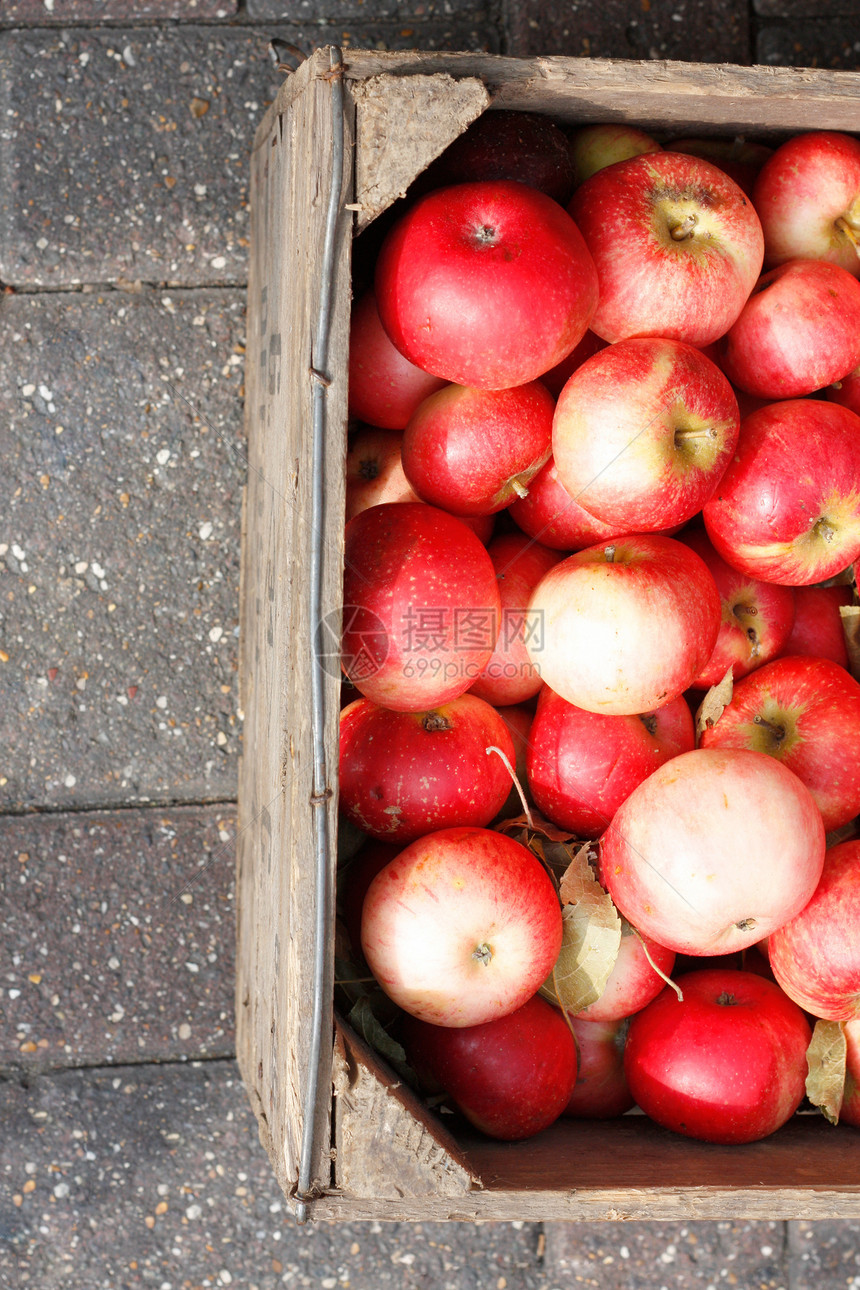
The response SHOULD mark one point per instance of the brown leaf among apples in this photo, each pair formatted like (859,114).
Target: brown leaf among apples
(850,615)
(714,704)
(591,938)
(825,1059)
(363,1019)
(533,823)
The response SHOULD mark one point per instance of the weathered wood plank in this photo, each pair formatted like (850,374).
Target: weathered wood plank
(275,885)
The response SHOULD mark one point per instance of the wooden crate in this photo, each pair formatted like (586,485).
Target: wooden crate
(376,1152)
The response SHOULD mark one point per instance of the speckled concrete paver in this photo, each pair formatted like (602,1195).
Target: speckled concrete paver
(812,44)
(154,1177)
(705,31)
(124,152)
(116,937)
(335,10)
(824,1256)
(657,1256)
(123,462)
(38,12)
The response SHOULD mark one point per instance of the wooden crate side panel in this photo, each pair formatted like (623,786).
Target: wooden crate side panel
(276,870)
(387,1145)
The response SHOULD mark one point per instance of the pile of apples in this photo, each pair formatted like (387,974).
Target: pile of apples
(603,511)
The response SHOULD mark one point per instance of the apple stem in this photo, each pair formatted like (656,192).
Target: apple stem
(704,432)
(850,232)
(519,489)
(526,809)
(680,232)
(661,974)
(775,729)
(825,530)
(609,552)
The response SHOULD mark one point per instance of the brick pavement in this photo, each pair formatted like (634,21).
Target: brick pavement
(124,136)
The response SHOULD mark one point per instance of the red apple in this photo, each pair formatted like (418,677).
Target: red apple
(805,712)
(404,774)
(808,200)
(582,765)
(510,676)
(643,432)
(798,331)
(601,1091)
(623,628)
(593,147)
(374,471)
(715,850)
(757,617)
(846,392)
(418,628)
(549,514)
(740,159)
(473,451)
(508,145)
(817,626)
(486,284)
(726,1065)
(384,387)
(511,1077)
(354,880)
(632,983)
(677,247)
(781,523)
(816,956)
(850,1111)
(556,378)
(462,927)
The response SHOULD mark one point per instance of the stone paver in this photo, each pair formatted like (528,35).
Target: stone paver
(336,10)
(153,1176)
(116,937)
(806,8)
(824,1256)
(123,463)
(124,152)
(657,1256)
(812,44)
(38,12)
(707,31)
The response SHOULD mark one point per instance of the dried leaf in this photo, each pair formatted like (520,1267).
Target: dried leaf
(363,1019)
(850,615)
(714,704)
(591,938)
(537,824)
(825,1058)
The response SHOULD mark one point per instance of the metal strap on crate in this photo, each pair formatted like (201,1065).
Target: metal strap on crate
(321,789)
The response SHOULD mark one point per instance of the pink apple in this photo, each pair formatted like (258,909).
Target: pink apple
(817,626)
(462,927)
(757,617)
(781,523)
(508,145)
(715,850)
(624,628)
(740,159)
(404,774)
(418,628)
(728,1064)
(798,331)
(510,1077)
(632,983)
(816,955)
(806,713)
(374,471)
(510,676)
(582,765)
(384,387)
(486,284)
(601,1091)
(677,247)
(550,515)
(593,147)
(473,451)
(808,200)
(643,432)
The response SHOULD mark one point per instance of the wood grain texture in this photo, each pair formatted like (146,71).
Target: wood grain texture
(275,874)
(402,124)
(387,1144)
